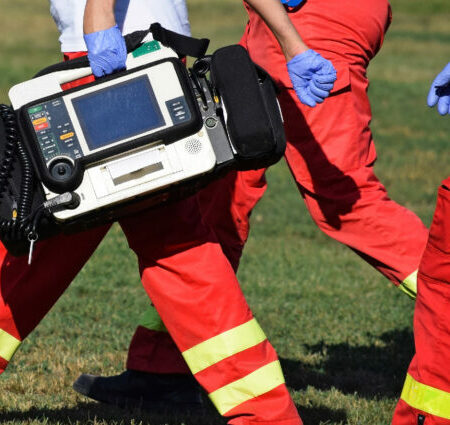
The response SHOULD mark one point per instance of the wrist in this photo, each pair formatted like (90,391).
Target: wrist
(98,16)
(292,46)
(293,51)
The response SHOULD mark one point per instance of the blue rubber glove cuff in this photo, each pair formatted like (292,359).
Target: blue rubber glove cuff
(291,3)
(312,77)
(107,51)
(442,100)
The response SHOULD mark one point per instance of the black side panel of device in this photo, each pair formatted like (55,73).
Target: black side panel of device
(254,120)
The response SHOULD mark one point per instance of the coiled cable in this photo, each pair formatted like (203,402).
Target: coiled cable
(16,227)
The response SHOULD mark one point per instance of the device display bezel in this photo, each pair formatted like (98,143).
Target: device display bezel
(166,134)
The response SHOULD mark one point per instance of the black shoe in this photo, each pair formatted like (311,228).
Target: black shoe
(148,391)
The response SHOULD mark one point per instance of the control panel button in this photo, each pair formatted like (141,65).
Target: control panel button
(41,127)
(210,122)
(178,109)
(39,121)
(67,135)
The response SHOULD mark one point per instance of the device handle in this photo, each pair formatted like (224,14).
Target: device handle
(181,44)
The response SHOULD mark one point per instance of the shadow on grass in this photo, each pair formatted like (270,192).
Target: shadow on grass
(321,415)
(94,413)
(368,370)
(371,371)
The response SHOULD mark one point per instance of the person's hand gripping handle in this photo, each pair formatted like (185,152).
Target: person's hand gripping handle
(105,44)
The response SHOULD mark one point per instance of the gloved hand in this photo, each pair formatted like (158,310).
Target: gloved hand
(312,76)
(107,51)
(442,99)
(291,3)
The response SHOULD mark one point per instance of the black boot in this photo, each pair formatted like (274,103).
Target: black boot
(148,391)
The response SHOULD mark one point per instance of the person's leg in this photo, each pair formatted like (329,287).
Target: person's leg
(225,205)
(27,292)
(425,399)
(333,168)
(330,149)
(197,295)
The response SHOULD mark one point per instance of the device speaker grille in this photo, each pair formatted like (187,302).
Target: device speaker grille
(193,146)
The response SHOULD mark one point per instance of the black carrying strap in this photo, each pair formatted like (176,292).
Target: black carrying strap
(181,44)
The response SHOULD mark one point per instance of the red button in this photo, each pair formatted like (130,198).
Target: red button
(40,127)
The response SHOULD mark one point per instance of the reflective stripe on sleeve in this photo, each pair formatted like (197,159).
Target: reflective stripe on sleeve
(253,385)
(409,285)
(428,399)
(224,345)
(151,320)
(8,345)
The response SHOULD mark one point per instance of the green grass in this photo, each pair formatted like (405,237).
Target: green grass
(342,331)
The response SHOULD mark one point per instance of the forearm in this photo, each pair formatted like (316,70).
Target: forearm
(279,23)
(98,15)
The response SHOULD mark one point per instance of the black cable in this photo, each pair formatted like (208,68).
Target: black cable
(9,120)
(17,227)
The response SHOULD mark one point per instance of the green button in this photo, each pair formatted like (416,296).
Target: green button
(35,109)
(150,47)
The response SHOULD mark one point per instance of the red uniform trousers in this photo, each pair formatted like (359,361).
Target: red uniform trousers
(226,205)
(331,155)
(195,291)
(426,394)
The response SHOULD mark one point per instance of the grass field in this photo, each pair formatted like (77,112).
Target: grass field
(342,331)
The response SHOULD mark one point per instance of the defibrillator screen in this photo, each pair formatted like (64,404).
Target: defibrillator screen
(118,112)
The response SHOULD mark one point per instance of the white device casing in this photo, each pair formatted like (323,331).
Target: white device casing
(131,174)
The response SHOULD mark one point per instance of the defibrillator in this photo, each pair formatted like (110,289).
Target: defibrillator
(152,133)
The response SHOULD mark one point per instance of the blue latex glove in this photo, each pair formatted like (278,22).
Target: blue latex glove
(441,98)
(291,3)
(107,51)
(312,76)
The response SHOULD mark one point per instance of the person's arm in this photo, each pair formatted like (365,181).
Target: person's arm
(98,15)
(106,48)
(277,20)
(440,92)
(312,76)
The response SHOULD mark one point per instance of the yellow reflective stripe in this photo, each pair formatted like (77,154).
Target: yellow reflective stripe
(409,285)
(428,399)
(8,345)
(253,385)
(224,345)
(151,320)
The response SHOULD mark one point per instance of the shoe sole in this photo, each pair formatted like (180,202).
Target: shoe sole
(140,404)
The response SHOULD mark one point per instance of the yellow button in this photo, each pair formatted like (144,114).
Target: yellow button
(67,135)
(40,121)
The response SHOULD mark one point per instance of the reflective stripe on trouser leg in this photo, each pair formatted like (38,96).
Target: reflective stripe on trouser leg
(225,345)
(151,320)
(8,345)
(428,399)
(257,383)
(409,285)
